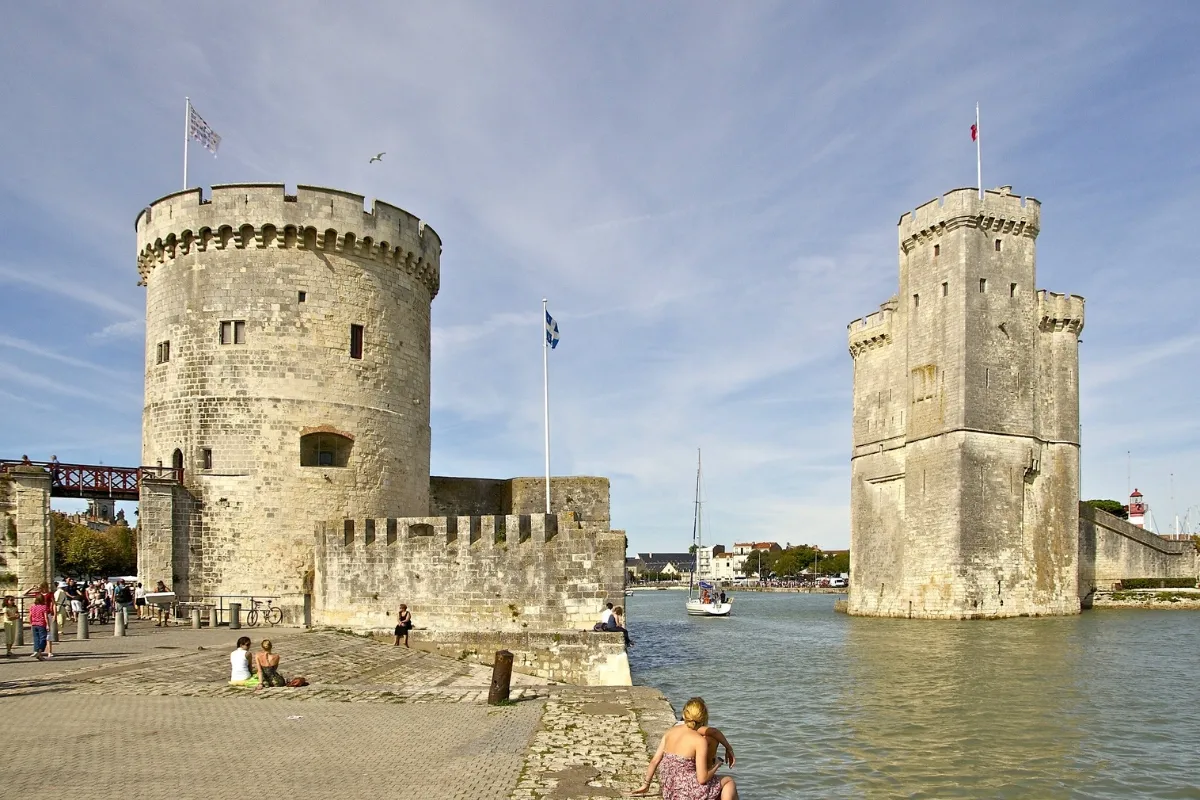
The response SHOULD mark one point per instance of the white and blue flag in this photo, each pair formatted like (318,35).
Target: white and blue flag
(551,331)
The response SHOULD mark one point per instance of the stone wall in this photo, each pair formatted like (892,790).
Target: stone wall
(514,573)
(25,503)
(1111,549)
(295,272)
(9,557)
(586,497)
(583,658)
(173,555)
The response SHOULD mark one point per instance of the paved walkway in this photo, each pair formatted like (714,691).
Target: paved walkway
(152,713)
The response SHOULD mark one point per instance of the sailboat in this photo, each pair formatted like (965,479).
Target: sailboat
(705,602)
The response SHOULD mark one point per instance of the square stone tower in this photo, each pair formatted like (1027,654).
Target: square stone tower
(965,468)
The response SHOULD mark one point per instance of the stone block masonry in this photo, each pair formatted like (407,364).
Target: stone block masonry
(1111,549)
(26,540)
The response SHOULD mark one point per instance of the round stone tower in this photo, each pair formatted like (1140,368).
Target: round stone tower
(287,374)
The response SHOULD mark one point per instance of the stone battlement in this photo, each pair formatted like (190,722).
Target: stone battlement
(260,216)
(999,211)
(483,531)
(873,330)
(1060,312)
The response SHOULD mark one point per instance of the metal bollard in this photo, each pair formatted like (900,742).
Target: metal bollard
(119,625)
(54,628)
(235,616)
(195,619)
(81,627)
(214,618)
(20,633)
(501,677)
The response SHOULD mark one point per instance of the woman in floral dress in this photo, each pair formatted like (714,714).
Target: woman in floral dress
(686,760)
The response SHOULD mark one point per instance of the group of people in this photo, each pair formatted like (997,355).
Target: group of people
(258,669)
(99,599)
(612,620)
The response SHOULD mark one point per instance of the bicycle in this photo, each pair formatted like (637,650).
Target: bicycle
(272,614)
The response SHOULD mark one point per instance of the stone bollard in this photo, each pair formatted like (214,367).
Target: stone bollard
(81,627)
(214,617)
(195,619)
(54,628)
(501,677)
(235,616)
(119,625)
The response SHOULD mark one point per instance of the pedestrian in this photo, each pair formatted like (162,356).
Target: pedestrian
(43,591)
(12,624)
(75,596)
(39,621)
(403,625)
(124,598)
(139,600)
(62,604)
(164,608)
(266,664)
(54,470)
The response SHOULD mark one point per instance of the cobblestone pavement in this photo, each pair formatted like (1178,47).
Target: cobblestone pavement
(153,713)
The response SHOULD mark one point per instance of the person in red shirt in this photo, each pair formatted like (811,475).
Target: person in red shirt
(39,621)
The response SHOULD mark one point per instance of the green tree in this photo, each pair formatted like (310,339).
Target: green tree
(834,564)
(1114,507)
(90,553)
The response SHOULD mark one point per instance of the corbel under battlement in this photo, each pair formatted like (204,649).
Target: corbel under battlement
(484,532)
(999,212)
(1060,312)
(873,330)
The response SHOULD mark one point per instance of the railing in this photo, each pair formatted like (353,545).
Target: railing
(94,480)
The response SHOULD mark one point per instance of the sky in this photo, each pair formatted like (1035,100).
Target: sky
(706,192)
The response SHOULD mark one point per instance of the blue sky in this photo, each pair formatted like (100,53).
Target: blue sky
(706,191)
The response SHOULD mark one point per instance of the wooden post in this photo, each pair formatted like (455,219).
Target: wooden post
(501,677)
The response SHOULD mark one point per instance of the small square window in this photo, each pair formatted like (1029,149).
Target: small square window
(945,288)
(206,458)
(982,285)
(1012,290)
(937,250)
(233,331)
(356,341)
(303,296)
(997,245)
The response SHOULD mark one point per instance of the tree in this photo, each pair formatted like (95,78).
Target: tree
(82,552)
(89,552)
(1114,507)
(834,564)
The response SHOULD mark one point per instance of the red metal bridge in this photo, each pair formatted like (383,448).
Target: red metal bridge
(94,481)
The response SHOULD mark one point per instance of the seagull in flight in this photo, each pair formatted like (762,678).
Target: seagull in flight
(377,157)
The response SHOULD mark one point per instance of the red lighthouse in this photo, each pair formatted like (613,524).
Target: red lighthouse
(1137,509)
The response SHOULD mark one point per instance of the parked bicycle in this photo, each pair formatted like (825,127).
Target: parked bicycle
(263,611)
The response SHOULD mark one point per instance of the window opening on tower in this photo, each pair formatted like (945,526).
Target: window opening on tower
(356,341)
(233,331)
(982,285)
(325,450)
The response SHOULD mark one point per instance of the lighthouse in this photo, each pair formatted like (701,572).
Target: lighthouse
(1137,509)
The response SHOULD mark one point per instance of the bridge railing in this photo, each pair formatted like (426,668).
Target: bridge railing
(94,480)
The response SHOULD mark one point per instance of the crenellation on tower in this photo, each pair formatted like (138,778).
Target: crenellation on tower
(999,211)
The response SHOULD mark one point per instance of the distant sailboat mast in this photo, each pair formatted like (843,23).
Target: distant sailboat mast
(696,530)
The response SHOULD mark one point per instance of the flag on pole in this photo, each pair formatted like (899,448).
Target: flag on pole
(551,331)
(199,130)
(975,132)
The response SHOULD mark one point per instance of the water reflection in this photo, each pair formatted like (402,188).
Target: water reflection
(821,704)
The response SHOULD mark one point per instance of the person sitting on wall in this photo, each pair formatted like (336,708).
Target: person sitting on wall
(616,623)
(403,625)
(239,664)
(605,618)
(266,664)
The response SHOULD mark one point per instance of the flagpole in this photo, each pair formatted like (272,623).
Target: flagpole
(187,119)
(546,394)
(978,157)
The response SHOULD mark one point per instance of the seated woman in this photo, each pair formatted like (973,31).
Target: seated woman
(686,755)
(617,623)
(266,664)
(239,664)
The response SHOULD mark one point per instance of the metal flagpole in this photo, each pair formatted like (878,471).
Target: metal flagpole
(187,123)
(978,157)
(546,393)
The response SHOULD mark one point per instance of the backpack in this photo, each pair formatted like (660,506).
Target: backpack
(295,682)
(124,595)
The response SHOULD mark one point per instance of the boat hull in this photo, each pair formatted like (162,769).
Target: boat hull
(697,609)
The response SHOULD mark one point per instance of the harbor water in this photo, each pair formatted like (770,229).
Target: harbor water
(820,704)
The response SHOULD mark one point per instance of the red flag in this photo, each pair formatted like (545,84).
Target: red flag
(974,132)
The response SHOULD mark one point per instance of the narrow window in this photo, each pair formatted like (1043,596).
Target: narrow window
(987,377)
(164,352)
(206,457)
(945,288)
(233,331)
(916,301)
(356,341)
(983,285)
(302,297)
(1012,290)
(937,250)
(997,245)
